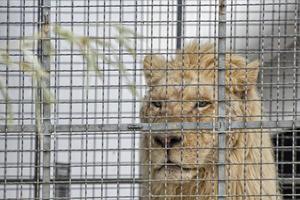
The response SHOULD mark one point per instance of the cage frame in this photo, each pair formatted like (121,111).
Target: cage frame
(47,128)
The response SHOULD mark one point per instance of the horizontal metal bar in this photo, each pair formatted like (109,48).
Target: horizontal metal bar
(112,181)
(145,5)
(283,124)
(94,22)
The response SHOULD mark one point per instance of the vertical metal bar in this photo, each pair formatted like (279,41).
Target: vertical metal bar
(37,107)
(86,93)
(295,102)
(179,24)
(103,104)
(34,139)
(134,109)
(67,195)
(222,125)
(6,106)
(37,147)
(120,52)
(46,112)
(21,97)
(56,92)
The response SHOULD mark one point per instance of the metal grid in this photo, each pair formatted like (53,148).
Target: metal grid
(86,143)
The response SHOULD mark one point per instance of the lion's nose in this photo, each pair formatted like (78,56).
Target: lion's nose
(168,141)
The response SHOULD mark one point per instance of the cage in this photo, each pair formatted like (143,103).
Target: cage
(148,99)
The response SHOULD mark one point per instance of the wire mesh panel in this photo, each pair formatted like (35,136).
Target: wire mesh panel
(149,99)
(19,158)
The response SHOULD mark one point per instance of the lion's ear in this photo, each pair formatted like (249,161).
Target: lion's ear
(154,67)
(243,78)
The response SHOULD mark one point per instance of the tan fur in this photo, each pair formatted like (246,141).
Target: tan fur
(250,169)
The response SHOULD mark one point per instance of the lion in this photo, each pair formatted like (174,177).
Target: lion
(182,164)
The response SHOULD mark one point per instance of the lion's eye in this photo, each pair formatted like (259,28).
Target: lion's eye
(202,104)
(156,104)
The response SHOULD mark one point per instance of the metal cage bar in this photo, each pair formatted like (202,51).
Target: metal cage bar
(179,24)
(268,125)
(221,120)
(46,112)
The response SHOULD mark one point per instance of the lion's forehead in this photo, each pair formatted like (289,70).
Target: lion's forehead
(185,77)
(175,86)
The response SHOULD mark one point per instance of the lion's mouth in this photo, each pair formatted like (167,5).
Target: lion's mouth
(169,165)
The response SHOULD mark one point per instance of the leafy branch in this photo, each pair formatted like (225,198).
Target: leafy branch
(87,46)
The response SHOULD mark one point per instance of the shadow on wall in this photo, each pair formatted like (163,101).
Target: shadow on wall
(287,155)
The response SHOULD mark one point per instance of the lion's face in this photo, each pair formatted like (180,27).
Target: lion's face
(178,155)
(177,95)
